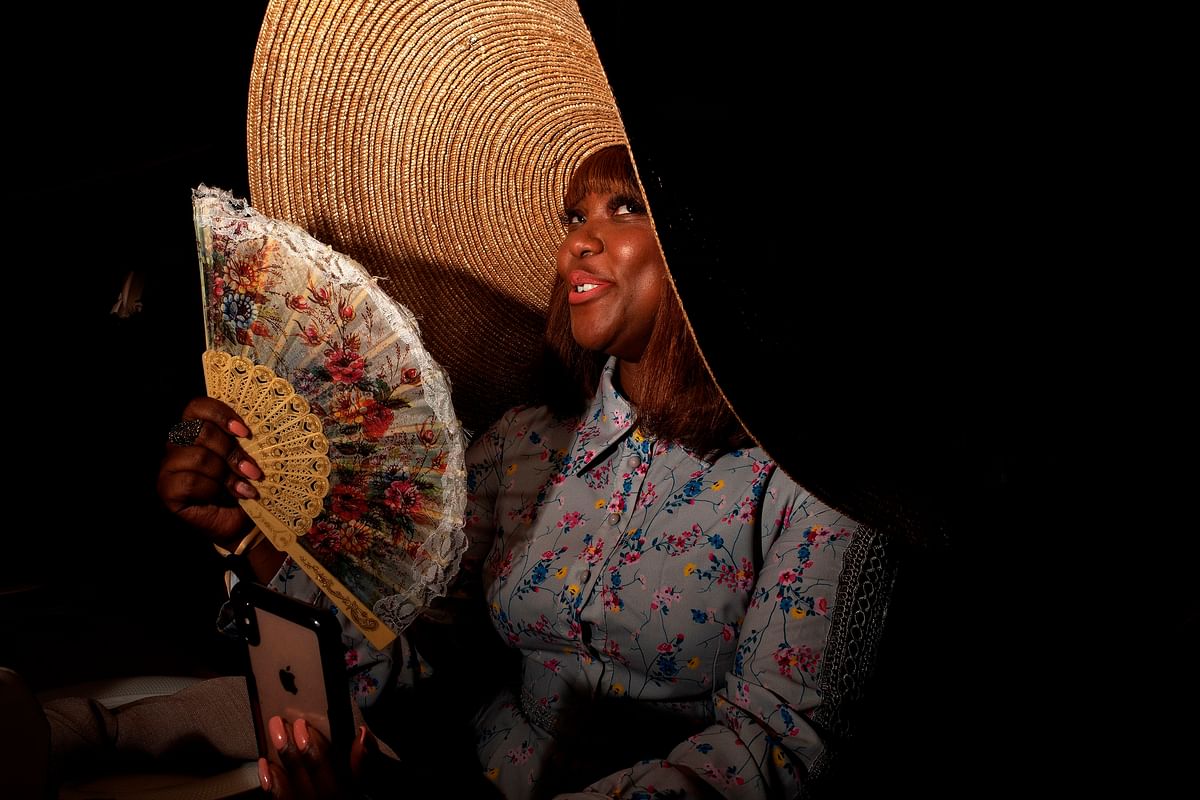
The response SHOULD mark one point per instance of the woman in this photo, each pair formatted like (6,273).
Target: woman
(668,589)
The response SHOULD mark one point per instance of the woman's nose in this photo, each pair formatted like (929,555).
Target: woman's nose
(582,242)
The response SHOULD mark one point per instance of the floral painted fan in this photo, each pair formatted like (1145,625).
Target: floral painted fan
(350,417)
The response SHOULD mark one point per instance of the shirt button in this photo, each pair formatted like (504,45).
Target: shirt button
(634,462)
(614,518)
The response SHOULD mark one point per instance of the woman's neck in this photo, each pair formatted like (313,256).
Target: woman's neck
(629,380)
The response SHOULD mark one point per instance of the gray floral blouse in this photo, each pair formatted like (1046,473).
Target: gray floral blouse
(626,568)
(672,612)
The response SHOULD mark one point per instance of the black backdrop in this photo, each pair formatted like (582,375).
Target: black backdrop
(121,115)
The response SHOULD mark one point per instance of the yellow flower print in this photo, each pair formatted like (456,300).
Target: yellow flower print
(688,569)
(560,573)
(719,485)
(493,773)
(798,613)
(601,502)
(511,468)
(637,435)
(778,756)
(618,689)
(694,662)
(573,589)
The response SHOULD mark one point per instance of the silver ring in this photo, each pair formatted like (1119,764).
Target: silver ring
(185,433)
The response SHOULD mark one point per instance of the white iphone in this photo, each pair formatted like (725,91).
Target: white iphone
(297,667)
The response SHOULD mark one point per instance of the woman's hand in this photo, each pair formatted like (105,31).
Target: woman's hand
(307,770)
(202,482)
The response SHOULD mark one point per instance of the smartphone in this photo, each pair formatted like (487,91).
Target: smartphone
(296,668)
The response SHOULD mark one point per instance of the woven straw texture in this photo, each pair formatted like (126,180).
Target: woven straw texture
(432,142)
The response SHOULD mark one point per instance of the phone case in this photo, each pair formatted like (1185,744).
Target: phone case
(297,667)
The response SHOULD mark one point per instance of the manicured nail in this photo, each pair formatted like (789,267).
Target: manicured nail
(300,734)
(250,469)
(238,429)
(278,733)
(245,490)
(362,735)
(264,774)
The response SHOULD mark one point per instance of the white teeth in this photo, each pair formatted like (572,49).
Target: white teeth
(584,287)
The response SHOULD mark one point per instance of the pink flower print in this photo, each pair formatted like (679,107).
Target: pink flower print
(593,552)
(727,633)
(817,535)
(519,755)
(787,577)
(664,597)
(739,579)
(823,607)
(548,555)
(616,504)
(553,665)
(801,659)
(649,495)
(784,520)
(559,479)
(666,648)
(570,520)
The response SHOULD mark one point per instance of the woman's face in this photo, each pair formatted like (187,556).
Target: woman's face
(614,273)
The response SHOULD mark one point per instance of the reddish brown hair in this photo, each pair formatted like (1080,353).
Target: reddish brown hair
(680,401)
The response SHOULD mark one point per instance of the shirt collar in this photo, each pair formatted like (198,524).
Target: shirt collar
(607,420)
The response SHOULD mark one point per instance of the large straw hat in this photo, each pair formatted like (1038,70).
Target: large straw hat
(806,219)
(432,141)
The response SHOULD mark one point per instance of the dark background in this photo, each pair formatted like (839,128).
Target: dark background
(124,114)
(992,656)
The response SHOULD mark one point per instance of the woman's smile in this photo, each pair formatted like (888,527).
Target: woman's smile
(613,267)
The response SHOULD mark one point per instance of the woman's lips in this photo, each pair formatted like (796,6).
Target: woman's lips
(584,287)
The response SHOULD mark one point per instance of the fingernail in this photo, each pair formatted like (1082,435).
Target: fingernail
(264,774)
(300,732)
(278,733)
(362,735)
(245,490)
(238,429)
(250,469)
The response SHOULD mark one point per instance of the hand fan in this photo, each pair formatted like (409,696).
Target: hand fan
(350,418)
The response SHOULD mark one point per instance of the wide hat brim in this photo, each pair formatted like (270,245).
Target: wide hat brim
(432,141)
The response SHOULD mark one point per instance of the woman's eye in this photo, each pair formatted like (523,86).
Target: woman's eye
(571,218)
(625,205)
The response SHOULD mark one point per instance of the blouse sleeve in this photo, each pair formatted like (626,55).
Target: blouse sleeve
(764,742)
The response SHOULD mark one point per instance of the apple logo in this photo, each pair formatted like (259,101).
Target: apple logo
(288,680)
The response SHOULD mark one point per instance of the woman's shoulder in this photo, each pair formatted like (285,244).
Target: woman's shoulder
(777,488)
(535,424)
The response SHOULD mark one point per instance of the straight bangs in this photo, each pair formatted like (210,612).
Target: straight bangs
(608,171)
